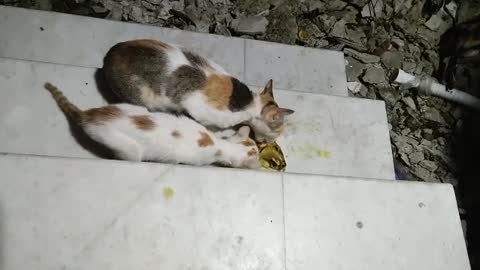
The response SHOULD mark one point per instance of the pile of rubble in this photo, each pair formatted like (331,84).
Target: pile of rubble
(375,35)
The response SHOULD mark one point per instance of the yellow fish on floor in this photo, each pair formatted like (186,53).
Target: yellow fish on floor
(271,156)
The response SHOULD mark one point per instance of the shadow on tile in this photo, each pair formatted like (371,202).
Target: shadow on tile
(88,144)
(103,88)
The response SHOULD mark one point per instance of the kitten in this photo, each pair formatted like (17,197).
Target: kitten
(136,134)
(163,77)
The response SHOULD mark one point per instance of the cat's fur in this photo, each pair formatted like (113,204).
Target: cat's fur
(163,77)
(136,134)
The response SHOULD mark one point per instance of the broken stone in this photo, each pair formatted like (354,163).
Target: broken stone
(202,26)
(252,25)
(417,133)
(434,22)
(148,5)
(427,131)
(398,42)
(392,59)
(422,173)
(434,115)
(363,57)
(410,103)
(349,14)
(282,25)
(373,9)
(431,166)
(333,5)
(452,8)
(309,32)
(136,14)
(405,131)
(375,75)
(409,66)
(154,2)
(339,29)
(391,96)
(416,157)
(353,69)
(426,143)
(433,58)
(439,22)
(99,9)
(325,22)
(321,43)
(355,87)
(405,148)
(314,5)
(355,34)
(221,29)
(414,50)
(358,3)
(426,37)
(116,12)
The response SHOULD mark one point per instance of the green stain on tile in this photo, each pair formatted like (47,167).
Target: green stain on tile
(168,192)
(310,152)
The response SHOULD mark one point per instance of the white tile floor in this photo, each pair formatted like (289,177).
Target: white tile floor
(82,41)
(95,214)
(294,68)
(338,223)
(326,135)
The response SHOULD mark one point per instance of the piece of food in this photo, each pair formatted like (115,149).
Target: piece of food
(271,157)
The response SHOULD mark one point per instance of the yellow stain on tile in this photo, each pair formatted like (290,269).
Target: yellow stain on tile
(310,151)
(168,192)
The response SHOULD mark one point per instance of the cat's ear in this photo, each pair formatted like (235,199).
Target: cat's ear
(281,113)
(244,131)
(268,90)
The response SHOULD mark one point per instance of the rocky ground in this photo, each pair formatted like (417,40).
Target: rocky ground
(375,35)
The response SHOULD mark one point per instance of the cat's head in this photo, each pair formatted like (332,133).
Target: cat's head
(270,123)
(247,156)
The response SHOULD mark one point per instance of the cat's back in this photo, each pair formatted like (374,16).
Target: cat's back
(139,122)
(154,56)
(155,74)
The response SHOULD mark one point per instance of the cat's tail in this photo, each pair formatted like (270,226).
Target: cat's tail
(71,111)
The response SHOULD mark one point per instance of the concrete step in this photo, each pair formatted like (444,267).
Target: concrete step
(326,134)
(83,41)
(59,213)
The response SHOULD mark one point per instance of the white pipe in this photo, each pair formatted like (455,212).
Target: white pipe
(429,86)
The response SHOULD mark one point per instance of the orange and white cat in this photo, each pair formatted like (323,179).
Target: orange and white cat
(164,77)
(135,134)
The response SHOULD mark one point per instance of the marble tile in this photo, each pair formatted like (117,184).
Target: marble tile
(52,209)
(83,214)
(84,41)
(295,68)
(335,223)
(336,136)
(30,119)
(326,135)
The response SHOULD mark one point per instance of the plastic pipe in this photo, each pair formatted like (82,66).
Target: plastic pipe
(428,86)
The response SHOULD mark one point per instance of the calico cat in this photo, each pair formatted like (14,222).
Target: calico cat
(164,77)
(136,134)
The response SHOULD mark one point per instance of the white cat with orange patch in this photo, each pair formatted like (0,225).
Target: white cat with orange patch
(136,134)
(162,77)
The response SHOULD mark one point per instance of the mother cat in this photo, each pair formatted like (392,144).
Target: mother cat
(163,77)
